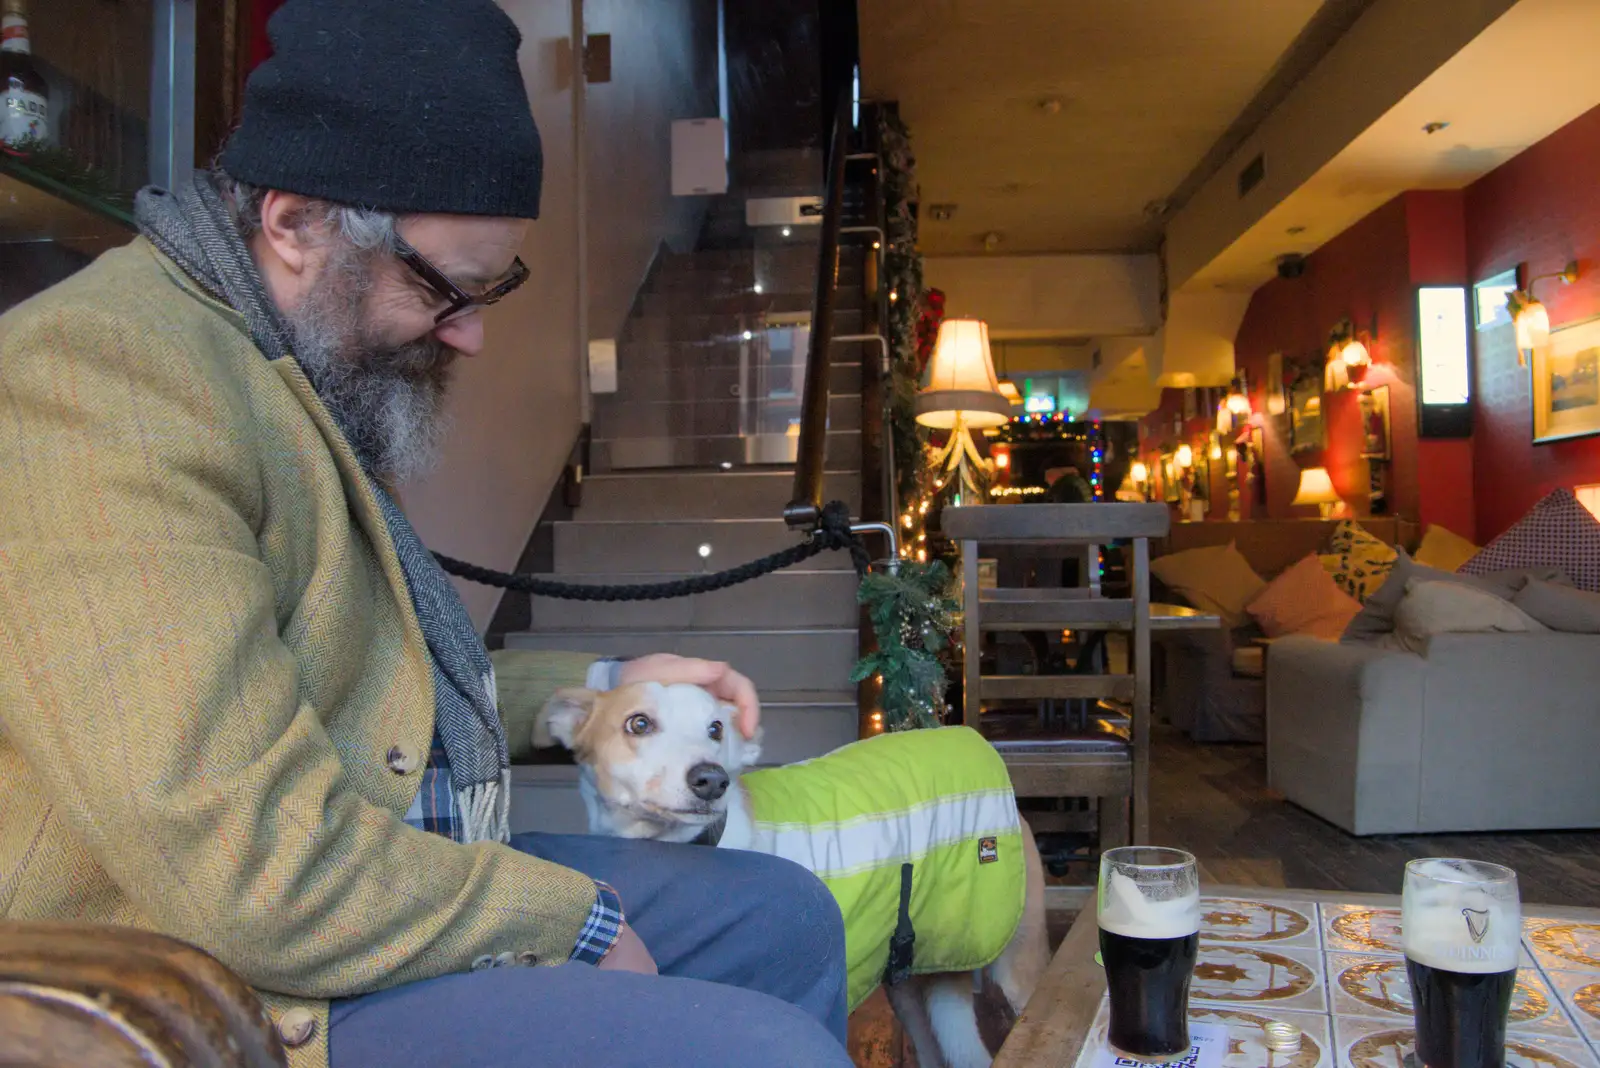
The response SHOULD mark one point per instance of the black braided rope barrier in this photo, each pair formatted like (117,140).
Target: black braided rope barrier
(831,533)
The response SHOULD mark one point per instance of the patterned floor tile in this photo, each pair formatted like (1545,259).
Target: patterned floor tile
(1289,924)
(1258,978)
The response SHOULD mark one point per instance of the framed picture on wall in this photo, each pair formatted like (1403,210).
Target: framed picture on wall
(1375,423)
(1304,392)
(1566,384)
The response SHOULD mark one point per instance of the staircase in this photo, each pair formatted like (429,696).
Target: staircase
(693,466)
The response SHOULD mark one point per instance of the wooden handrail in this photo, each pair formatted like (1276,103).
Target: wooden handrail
(805,505)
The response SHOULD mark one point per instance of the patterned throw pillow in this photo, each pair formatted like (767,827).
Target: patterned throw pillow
(1556,532)
(1357,561)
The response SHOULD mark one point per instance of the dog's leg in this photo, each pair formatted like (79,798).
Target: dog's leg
(1026,956)
(908,998)
(955,1020)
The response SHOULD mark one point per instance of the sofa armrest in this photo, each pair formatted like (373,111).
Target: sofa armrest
(1344,731)
(1511,726)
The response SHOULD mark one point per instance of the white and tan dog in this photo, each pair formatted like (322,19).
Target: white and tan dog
(664,762)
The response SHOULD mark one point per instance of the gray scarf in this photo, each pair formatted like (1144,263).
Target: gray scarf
(196,230)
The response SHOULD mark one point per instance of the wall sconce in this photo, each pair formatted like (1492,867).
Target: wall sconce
(1184,457)
(1139,472)
(1349,357)
(1215,452)
(1235,407)
(1528,316)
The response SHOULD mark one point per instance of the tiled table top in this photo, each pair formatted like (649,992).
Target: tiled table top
(1336,971)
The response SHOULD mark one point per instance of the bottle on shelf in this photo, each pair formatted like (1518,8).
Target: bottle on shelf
(25,114)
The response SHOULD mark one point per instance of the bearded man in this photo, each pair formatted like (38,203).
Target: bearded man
(241,705)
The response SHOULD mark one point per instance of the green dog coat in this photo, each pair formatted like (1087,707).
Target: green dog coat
(916,833)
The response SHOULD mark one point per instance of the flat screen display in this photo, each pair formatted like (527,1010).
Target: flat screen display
(1444,367)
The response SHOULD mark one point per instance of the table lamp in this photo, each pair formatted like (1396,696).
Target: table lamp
(961,393)
(1316,487)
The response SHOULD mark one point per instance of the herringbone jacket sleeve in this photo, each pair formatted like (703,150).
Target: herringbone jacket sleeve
(180,763)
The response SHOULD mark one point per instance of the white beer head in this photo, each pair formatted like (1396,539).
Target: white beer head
(1461,916)
(1142,897)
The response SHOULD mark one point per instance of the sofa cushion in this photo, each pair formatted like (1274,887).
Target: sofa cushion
(1557,532)
(1560,607)
(1357,561)
(1444,549)
(1217,579)
(1304,600)
(1432,607)
(1377,614)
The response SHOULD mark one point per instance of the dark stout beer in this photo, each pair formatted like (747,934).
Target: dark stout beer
(1149,915)
(1148,979)
(1461,927)
(1461,1016)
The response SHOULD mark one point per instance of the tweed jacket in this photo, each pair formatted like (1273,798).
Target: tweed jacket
(215,699)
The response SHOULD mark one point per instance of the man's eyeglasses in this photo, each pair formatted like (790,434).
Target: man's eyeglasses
(457,299)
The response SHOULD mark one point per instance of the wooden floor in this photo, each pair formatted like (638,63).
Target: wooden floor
(1212,800)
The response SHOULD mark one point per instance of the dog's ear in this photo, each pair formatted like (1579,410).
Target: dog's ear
(561,717)
(739,752)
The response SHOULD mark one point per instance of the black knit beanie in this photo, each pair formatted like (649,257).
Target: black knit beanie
(409,106)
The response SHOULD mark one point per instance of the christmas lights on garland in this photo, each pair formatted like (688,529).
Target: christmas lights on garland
(914,614)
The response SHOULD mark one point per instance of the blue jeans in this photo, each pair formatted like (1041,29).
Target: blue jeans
(751,953)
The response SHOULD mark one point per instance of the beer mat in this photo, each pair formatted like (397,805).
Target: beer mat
(1208,1044)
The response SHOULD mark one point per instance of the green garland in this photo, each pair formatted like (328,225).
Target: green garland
(902,264)
(914,615)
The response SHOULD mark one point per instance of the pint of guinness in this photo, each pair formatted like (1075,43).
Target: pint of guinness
(1149,913)
(1461,925)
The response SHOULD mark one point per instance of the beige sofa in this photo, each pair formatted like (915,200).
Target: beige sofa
(1486,732)
(1212,684)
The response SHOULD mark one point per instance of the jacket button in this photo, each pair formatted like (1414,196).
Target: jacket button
(528,958)
(483,963)
(400,761)
(505,960)
(297,1026)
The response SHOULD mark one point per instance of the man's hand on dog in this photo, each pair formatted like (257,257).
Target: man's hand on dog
(718,678)
(628,955)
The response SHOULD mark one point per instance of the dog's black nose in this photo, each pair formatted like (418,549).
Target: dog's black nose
(708,781)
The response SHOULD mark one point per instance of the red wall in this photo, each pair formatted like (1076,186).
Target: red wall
(256,27)
(1541,208)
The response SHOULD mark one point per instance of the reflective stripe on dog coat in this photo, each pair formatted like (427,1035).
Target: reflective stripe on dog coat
(938,799)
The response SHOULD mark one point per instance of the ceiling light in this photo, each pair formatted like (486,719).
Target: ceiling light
(941,212)
(1296,231)
(749,336)
(991,240)
(1050,105)
(1435,127)
(727,465)
(758,287)
(785,231)
(705,550)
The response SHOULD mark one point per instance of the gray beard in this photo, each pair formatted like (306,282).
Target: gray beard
(388,399)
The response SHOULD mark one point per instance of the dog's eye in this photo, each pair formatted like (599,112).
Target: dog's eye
(715,730)
(638,723)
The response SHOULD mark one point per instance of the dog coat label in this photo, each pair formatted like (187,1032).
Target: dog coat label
(988,851)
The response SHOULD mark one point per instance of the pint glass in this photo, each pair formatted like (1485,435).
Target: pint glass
(1149,913)
(1461,926)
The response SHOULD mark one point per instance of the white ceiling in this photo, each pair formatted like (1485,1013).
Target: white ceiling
(1144,88)
(1530,73)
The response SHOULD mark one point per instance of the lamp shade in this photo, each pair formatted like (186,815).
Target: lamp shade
(961,384)
(1532,326)
(1316,487)
(1139,472)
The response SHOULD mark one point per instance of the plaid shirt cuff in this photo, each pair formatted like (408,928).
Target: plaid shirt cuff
(600,932)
